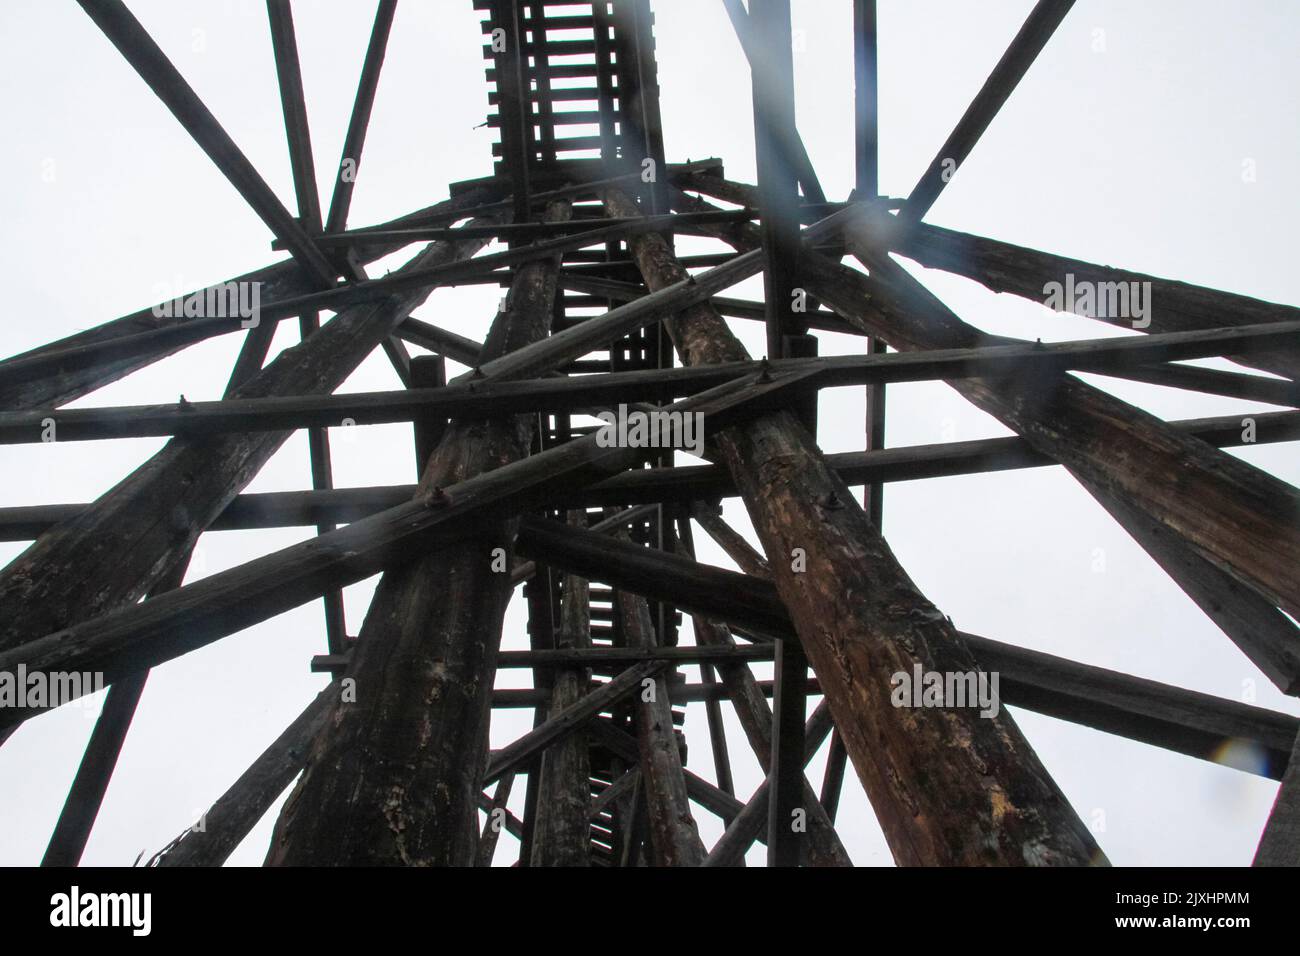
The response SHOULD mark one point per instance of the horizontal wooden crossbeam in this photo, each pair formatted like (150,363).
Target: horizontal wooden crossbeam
(683,483)
(1185,721)
(523,230)
(144,635)
(488,399)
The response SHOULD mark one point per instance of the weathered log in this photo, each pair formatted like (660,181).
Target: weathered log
(683,483)
(282,281)
(1280,844)
(823,845)
(120,642)
(223,827)
(562,831)
(1090,432)
(1158,714)
(475,399)
(396,778)
(727,538)
(674,838)
(947,786)
(126,541)
(1239,517)
(1004,267)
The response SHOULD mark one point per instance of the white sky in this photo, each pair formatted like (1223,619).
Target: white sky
(1131,155)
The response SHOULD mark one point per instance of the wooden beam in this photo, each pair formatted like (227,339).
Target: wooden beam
(470,396)
(683,483)
(613,656)
(565,721)
(621,291)
(61,371)
(425,662)
(1280,844)
(121,543)
(524,231)
(496,811)
(298,135)
(1007,74)
(451,344)
(1241,518)
(293,104)
(702,792)
(562,830)
(774,121)
(1085,429)
(1004,267)
(223,827)
(86,795)
(1212,381)
(197,614)
(797,502)
(866,165)
(778,190)
(346,173)
(822,846)
(1158,714)
(685,544)
(789,142)
(145,56)
(787,806)
(730,540)
(674,837)
(515,106)
(746,826)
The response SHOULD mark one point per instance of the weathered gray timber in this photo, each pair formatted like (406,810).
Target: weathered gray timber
(674,837)
(562,833)
(396,778)
(946,785)
(129,537)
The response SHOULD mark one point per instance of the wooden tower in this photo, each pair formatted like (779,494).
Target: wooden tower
(521,487)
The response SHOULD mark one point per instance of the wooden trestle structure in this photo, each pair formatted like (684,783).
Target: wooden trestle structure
(391,759)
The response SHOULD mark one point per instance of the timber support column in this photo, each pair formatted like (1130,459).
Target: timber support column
(396,777)
(562,833)
(949,787)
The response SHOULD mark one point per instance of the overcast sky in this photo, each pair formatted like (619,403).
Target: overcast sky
(1125,144)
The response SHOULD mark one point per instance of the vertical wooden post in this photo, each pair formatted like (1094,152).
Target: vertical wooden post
(562,832)
(948,785)
(427,371)
(778,187)
(397,778)
(785,831)
(673,834)
(865,102)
